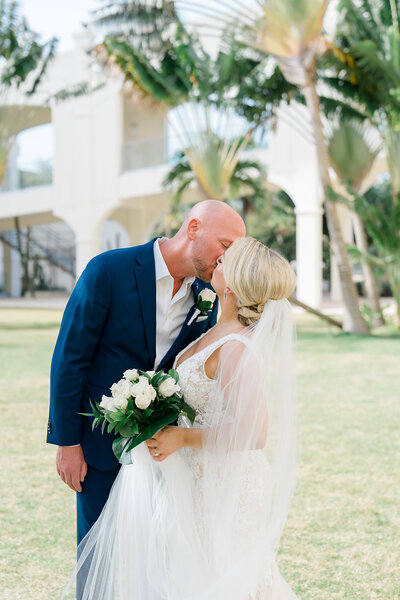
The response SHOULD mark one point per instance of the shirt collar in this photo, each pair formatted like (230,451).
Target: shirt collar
(161,266)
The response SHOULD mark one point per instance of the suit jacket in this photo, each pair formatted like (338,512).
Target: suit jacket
(109,325)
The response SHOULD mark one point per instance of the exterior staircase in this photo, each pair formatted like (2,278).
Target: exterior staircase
(50,243)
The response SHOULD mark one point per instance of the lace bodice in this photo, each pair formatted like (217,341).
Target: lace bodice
(196,387)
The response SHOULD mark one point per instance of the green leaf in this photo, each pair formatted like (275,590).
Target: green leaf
(125,431)
(188,412)
(157,378)
(174,374)
(147,412)
(119,446)
(204,305)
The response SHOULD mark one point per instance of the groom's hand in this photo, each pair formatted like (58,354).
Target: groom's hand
(71,466)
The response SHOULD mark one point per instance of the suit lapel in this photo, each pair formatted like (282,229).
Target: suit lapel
(145,274)
(179,342)
(184,333)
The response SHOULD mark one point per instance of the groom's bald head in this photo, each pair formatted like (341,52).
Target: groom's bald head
(215,209)
(210,227)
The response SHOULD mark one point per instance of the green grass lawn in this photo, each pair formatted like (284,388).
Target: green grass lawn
(342,537)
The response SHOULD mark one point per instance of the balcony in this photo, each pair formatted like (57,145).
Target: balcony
(142,154)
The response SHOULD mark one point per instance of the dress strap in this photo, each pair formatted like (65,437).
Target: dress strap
(226,338)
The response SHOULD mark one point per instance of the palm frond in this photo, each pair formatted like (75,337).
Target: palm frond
(359,21)
(370,60)
(77,90)
(352,152)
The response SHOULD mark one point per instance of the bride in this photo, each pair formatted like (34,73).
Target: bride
(199,513)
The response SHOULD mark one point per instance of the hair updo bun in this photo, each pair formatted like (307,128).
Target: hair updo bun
(256,274)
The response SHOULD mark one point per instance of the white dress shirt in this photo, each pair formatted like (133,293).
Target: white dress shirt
(171,310)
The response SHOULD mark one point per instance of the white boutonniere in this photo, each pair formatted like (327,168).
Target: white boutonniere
(204,303)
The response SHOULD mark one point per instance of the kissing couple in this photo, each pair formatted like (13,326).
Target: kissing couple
(199,512)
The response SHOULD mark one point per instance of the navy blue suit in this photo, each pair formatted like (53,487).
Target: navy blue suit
(109,325)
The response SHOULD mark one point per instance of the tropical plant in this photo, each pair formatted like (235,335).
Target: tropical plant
(245,187)
(352,151)
(368,65)
(290,31)
(368,42)
(382,222)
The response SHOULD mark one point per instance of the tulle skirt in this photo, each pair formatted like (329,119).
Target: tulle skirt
(151,543)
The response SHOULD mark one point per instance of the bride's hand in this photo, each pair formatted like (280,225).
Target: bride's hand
(165,442)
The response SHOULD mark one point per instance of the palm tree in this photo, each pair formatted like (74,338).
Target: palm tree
(246,184)
(290,31)
(382,222)
(204,93)
(352,153)
(369,65)
(369,41)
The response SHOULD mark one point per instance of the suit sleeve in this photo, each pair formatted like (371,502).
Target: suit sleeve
(80,331)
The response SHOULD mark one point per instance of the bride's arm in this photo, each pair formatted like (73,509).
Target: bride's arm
(172,438)
(246,432)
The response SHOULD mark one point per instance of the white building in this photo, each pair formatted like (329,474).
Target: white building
(110,158)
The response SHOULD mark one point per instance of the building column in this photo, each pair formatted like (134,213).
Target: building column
(12,272)
(309,256)
(6,268)
(86,248)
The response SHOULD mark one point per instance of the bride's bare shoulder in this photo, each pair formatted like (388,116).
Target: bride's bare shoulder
(230,350)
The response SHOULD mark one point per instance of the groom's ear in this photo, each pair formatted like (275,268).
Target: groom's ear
(193,227)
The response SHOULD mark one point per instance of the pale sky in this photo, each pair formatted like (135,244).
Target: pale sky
(59,18)
(50,18)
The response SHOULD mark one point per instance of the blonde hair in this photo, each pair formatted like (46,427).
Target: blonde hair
(256,274)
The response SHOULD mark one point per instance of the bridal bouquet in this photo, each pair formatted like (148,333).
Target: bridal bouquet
(141,403)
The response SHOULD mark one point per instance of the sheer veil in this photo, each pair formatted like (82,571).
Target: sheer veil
(161,535)
(254,410)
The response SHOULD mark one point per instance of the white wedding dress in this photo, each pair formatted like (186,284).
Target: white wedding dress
(198,389)
(153,540)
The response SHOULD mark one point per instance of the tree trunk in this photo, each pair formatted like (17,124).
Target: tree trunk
(369,277)
(354,322)
(315,312)
(394,280)
(27,282)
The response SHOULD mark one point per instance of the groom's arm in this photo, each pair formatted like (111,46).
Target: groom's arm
(80,331)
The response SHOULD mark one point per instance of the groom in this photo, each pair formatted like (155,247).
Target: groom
(131,308)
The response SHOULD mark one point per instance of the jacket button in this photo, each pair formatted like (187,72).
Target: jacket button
(49,426)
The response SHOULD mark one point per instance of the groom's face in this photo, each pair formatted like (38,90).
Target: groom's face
(210,243)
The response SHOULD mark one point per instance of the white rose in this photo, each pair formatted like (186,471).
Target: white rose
(168,387)
(122,389)
(108,403)
(121,402)
(207,295)
(131,374)
(151,373)
(140,386)
(144,399)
